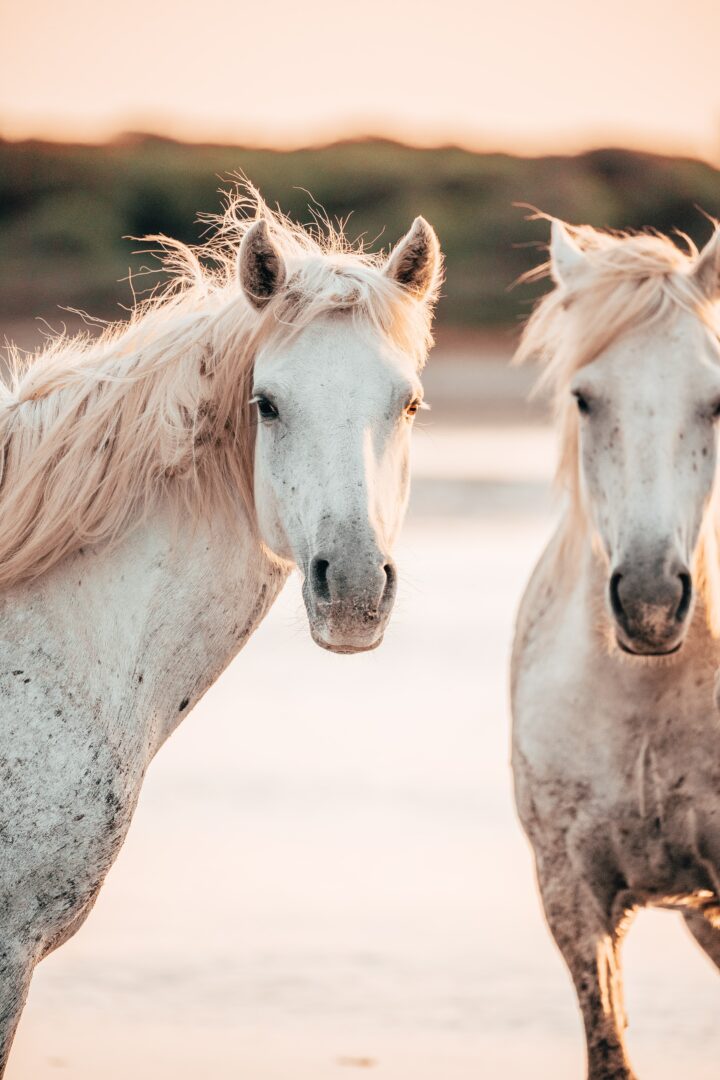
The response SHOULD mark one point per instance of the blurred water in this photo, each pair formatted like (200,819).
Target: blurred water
(325,873)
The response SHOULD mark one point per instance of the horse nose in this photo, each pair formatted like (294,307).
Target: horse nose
(653,602)
(366,584)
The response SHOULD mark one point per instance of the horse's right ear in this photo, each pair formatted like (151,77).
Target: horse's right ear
(566,258)
(261,267)
(415,262)
(706,272)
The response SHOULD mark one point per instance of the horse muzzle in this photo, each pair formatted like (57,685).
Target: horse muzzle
(349,601)
(651,607)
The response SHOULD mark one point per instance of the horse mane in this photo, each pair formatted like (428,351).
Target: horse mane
(631,280)
(94,430)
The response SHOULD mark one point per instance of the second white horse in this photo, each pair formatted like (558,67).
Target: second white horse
(616,745)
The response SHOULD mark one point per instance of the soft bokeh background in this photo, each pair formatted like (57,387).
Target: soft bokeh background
(325,875)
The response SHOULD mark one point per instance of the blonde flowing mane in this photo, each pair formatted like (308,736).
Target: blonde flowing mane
(94,431)
(631,280)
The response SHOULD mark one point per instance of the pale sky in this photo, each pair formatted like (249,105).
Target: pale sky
(523,75)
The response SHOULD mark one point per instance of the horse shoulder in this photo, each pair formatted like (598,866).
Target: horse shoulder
(554,681)
(551,638)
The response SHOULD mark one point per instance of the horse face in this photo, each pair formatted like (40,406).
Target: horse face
(648,408)
(335,408)
(335,405)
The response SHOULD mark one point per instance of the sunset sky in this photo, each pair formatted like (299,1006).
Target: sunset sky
(518,75)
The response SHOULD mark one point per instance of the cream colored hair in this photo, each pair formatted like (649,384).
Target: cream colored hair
(93,431)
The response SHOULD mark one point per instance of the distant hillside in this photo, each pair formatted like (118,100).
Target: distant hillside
(64,209)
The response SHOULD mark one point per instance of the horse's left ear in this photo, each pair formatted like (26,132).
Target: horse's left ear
(706,272)
(261,267)
(415,261)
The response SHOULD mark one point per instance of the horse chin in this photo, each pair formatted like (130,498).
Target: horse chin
(344,646)
(347,650)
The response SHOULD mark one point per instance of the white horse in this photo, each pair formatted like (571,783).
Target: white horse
(157,487)
(616,746)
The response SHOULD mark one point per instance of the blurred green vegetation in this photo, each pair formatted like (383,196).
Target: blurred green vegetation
(65,209)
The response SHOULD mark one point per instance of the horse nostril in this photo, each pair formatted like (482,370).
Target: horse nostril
(615,601)
(390,579)
(686,598)
(359,586)
(319,577)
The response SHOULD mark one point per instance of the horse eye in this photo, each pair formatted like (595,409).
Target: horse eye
(266,409)
(715,411)
(582,403)
(413,407)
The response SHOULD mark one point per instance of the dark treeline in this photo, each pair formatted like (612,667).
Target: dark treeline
(64,210)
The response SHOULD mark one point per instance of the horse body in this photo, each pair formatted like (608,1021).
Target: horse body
(156,489)
(615,739)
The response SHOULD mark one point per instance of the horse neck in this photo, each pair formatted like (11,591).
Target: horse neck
(137,633)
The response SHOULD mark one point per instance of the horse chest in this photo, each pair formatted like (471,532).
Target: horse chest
(652,816)
(624,779)
(664,851)
(98,663)
(66,800)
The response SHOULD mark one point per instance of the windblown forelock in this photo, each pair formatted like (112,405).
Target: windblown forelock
(94,431)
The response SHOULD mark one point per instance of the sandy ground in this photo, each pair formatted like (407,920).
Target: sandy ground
(325,876)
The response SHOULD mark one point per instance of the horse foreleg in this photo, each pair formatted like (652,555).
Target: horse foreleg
(590,945)
(706,933)
(16,968)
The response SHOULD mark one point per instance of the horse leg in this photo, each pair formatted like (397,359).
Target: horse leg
(705,933)
(16,968)
(590,945)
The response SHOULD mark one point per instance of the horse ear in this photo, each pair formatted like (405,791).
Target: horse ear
(706,272)
(261,268)
(566,258)
(414,262)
